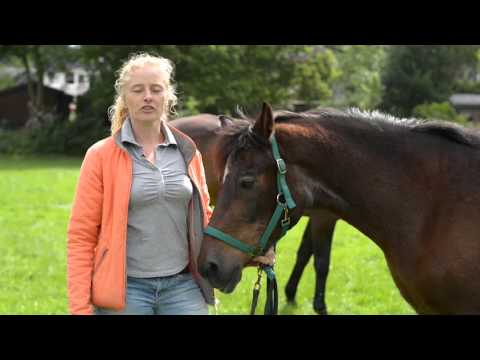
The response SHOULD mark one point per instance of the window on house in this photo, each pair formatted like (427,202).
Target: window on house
(70,79)
(81,79)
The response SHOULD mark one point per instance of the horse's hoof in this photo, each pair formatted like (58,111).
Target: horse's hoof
(321,311)
(290,295)
(291,301)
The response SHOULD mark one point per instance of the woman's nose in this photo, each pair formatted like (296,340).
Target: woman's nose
(148,96)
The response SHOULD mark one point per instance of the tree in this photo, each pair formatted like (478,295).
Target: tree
(470,83)
(221,78)
(314,74)
(218,78)
(418,74)
(359,81)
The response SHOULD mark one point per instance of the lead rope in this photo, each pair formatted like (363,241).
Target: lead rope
(271,302)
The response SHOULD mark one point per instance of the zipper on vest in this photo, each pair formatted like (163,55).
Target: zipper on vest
(200,203)
(125,260)
(191,224)
(130,164)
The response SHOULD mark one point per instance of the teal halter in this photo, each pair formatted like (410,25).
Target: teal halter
(284,204)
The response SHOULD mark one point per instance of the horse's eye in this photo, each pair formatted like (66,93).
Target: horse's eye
(247,182)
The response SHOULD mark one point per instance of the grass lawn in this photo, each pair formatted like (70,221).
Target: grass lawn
(36,195)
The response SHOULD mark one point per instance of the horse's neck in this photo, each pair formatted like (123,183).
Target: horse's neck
(358,174)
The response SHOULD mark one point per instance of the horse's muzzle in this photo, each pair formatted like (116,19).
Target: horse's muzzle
(225,281)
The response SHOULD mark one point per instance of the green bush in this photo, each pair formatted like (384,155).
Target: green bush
(55,137)
(69,138)
(14,142)
(439,111)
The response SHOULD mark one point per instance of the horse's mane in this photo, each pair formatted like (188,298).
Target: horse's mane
(450,131)
(447,130)
(238,134)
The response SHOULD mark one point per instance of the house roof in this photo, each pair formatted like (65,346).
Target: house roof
(23,87)
(465,100)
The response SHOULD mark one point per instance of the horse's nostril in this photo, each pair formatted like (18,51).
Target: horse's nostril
(209,270)
(212,269)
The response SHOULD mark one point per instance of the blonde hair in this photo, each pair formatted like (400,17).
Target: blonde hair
(118,112)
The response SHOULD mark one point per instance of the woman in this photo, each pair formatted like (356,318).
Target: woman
(140,207)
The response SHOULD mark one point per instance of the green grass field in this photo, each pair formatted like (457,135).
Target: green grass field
(35,201)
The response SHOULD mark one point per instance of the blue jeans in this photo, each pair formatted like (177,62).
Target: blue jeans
(171,295)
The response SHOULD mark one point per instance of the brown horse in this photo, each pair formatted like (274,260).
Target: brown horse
(318,234)
(410,186)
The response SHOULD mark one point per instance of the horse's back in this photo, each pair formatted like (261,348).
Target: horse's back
(201,129)
(197,125)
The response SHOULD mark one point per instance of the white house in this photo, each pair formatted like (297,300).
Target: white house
(74,82)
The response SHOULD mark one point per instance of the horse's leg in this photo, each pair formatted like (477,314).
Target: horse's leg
(303,256)
(322,228)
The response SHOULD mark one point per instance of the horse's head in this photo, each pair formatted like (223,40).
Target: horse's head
(246,202)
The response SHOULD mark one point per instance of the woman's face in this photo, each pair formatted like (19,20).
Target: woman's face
(145,94)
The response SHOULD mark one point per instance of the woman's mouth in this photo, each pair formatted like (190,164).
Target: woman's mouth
(148,108)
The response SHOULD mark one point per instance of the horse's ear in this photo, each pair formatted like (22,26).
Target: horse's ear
(264,124)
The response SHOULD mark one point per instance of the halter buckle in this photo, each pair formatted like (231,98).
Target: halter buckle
(286,219)
(282,167)
(283,203)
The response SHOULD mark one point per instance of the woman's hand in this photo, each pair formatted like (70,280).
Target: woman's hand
(267,259)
